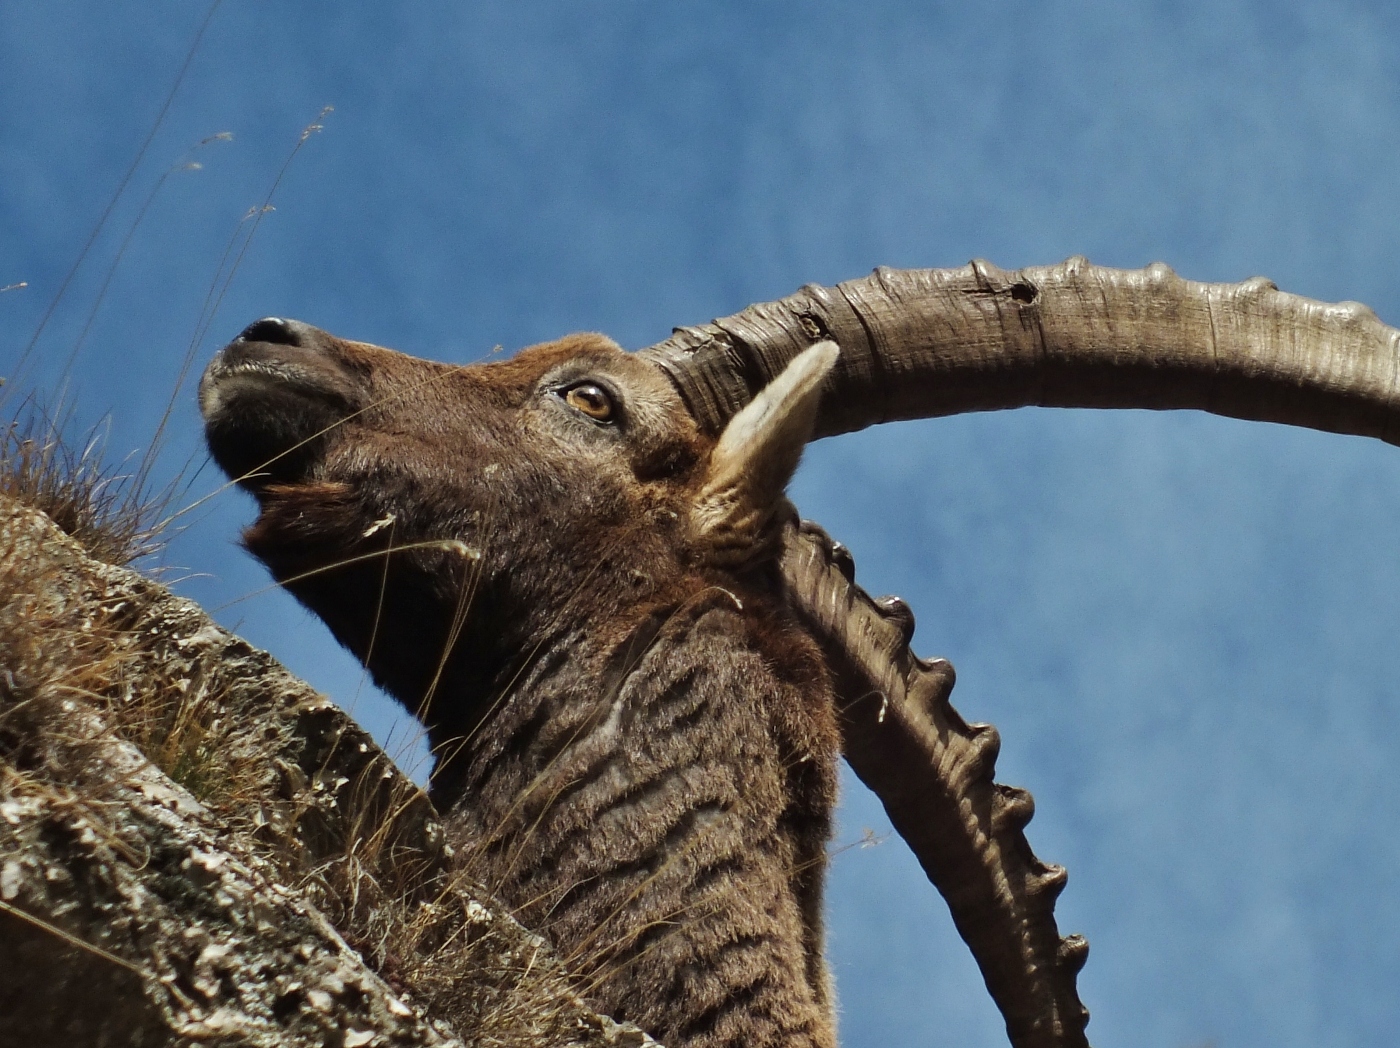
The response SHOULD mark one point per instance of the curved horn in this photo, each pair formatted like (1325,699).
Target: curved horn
(924,343)
(934,774)
(928,342)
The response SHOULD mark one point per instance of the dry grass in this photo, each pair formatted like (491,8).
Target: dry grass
(85,650)
(110,514)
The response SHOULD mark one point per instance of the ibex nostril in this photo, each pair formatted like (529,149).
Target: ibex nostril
(272,329)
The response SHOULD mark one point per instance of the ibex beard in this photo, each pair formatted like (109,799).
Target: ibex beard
(576,591)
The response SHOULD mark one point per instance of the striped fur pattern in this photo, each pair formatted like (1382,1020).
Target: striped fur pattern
(666,827)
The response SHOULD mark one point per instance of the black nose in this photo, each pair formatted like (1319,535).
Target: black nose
(273,329)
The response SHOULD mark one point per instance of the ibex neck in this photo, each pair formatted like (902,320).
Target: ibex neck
(660,807)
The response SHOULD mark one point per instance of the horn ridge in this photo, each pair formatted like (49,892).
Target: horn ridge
(934,774)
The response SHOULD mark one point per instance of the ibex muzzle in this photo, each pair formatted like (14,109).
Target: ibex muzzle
(578,567)
(287,385)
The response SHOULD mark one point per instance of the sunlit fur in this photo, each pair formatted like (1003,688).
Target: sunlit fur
(637,745)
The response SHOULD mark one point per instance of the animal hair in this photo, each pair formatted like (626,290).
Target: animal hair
(636,740)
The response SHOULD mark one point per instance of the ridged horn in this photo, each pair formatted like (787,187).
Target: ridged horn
(929,342)
(934,774)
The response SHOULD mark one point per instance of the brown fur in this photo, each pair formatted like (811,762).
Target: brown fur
(638,745)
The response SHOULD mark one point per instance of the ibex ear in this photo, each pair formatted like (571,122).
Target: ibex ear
(755,458)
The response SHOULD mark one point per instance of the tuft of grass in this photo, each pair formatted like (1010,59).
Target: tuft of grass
(112,515)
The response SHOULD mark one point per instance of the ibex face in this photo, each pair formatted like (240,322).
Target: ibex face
(524,492)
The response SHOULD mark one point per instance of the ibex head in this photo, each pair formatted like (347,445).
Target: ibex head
(579,484)
(519,493)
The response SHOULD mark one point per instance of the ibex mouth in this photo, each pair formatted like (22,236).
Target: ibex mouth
(269,396)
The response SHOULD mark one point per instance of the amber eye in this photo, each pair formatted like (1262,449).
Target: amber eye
(592,400)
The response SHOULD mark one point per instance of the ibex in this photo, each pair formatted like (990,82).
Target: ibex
(578,567)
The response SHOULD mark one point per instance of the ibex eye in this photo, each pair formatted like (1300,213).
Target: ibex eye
(592,400)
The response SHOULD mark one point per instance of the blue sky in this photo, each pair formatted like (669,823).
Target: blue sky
(1183,626)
